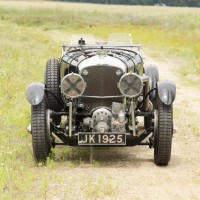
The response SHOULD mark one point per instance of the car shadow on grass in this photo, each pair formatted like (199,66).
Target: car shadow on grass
(103,156)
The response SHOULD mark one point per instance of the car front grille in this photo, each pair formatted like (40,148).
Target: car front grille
(101,81)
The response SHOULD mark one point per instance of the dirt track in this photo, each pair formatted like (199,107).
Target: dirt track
(130,173)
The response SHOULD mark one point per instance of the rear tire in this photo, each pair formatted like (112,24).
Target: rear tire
(147,122)
(163,133)
(152,72)
(40,137)
(52,81)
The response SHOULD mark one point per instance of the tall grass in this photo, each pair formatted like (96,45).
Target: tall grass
(174,31)
(31,32)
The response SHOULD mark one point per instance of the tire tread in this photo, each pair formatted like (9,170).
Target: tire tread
(164,135)
(53,83)
(41,145)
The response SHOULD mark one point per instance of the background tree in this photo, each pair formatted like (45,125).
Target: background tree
(190,3)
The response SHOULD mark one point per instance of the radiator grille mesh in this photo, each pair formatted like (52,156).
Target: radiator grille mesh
(101,81)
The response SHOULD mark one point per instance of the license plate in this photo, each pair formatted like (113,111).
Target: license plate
(102,139)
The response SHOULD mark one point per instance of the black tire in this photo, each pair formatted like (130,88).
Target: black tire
(163,134)
(152,72)
(40,137)
(147,122)
(52,81)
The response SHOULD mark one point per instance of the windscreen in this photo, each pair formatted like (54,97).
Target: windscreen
(113,38)
(88,38)
(120,38)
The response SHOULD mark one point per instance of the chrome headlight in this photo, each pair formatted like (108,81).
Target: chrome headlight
(130,85)
(72,85)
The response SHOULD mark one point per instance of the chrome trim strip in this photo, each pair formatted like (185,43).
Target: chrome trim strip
(102,97)
(70,119)
(103,45)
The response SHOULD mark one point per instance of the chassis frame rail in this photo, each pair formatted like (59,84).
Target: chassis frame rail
(73,141)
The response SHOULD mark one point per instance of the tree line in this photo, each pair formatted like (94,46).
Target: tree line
(189,3)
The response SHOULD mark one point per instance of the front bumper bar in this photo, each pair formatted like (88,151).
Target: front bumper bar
(130,139)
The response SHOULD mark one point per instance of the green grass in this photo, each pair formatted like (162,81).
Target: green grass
(172,31)
(31,33)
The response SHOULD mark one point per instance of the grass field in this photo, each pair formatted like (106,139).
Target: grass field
(31,33)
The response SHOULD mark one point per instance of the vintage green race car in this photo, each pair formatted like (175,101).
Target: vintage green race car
(101,94)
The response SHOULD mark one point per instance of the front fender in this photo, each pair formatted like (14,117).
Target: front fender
(166,91)
(35,93)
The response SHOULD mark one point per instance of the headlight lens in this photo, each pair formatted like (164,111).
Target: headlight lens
(130,85)
(72,85)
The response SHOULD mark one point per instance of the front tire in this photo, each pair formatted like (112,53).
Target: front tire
(163,133)
(40,136)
